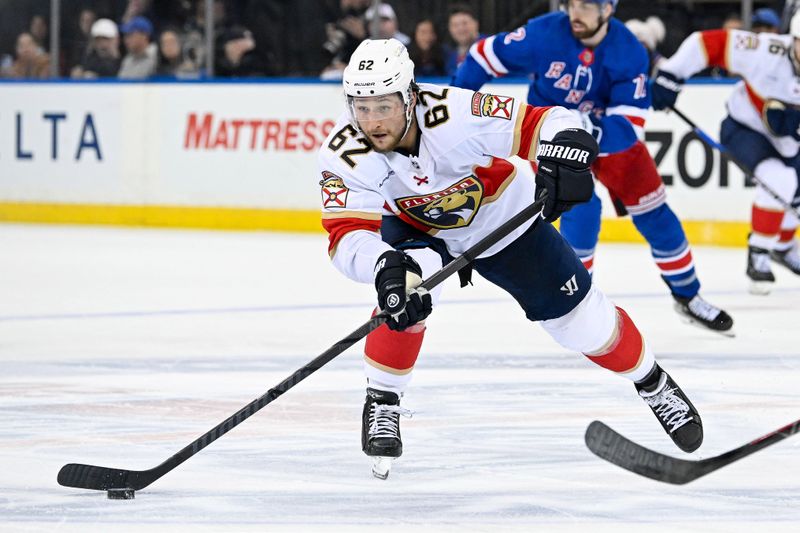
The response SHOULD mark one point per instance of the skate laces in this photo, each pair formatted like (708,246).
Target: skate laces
(384,420)
(669,407)
(702,308)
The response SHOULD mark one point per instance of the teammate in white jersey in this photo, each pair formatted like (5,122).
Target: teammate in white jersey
(762,129)
(413,175)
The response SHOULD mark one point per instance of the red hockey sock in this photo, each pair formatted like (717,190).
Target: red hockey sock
(785,238)
(394,351)
(766,222)
(626,351)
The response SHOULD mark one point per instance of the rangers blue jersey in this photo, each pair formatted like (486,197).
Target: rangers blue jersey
(608,82)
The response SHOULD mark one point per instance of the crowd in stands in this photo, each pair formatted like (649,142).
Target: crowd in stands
(137,45)
(141,39)
(432,54)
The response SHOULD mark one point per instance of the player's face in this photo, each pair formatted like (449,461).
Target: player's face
(585,18)
(382,119)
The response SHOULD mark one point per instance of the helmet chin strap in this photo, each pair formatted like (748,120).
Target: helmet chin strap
(409,112)
(409,118)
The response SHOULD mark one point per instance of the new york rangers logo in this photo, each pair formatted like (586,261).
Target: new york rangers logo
(454,207)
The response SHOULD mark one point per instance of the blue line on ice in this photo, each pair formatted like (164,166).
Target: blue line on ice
(306,307)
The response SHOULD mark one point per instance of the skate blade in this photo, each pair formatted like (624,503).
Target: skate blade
(760,288)
(381,466)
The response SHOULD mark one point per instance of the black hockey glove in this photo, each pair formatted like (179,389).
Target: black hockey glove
(781,120)
(665,89)
(396,277)
(564,171)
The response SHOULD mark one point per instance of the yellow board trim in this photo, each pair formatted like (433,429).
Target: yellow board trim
(164,216)
(224,218)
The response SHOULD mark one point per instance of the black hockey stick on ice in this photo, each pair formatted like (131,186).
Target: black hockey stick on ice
(733,159)
(121,483)
(607,444)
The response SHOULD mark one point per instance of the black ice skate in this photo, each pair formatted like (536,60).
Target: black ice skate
(759,271)
(699,312)
(676,413)
(790,258)
(380,429)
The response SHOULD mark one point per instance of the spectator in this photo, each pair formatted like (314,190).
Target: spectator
(464,30)
(426,51)
(80,43)
(386,26)
(238,57)
(142,56)
(765,20)
(31,62)
(650,33)
(101,59)
(38,30)
(171,60)
(344,35)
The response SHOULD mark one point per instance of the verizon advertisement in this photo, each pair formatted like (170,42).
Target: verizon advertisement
(246,145)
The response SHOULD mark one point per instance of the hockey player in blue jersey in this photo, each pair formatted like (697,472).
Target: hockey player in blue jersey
(588,61)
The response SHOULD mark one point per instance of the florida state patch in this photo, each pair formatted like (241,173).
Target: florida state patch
(334,191)
(492,105)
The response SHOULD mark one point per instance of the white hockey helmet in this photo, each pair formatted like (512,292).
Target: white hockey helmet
(794,25)
(379,67)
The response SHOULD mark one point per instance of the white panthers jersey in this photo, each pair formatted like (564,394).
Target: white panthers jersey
(763,60)
(458,185)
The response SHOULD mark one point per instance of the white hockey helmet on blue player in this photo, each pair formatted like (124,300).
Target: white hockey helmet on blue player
(378,67)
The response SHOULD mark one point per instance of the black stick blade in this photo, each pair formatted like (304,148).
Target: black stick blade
(99,478)
(607,444)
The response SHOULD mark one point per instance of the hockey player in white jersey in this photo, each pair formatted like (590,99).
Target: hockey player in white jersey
(762,129)
(413,175)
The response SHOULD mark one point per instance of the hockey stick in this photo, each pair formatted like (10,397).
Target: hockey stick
(733,159)
(607,444)
(121,483)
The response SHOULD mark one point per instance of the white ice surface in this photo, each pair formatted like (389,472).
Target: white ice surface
(120,346)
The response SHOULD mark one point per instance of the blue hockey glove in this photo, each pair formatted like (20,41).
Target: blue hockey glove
(781,120)
(664,90)
(564,171)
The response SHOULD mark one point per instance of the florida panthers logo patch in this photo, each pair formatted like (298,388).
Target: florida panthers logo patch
(451,208)
(334,192)
(492,105)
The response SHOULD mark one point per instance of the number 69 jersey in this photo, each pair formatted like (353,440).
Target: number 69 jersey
(457,185)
